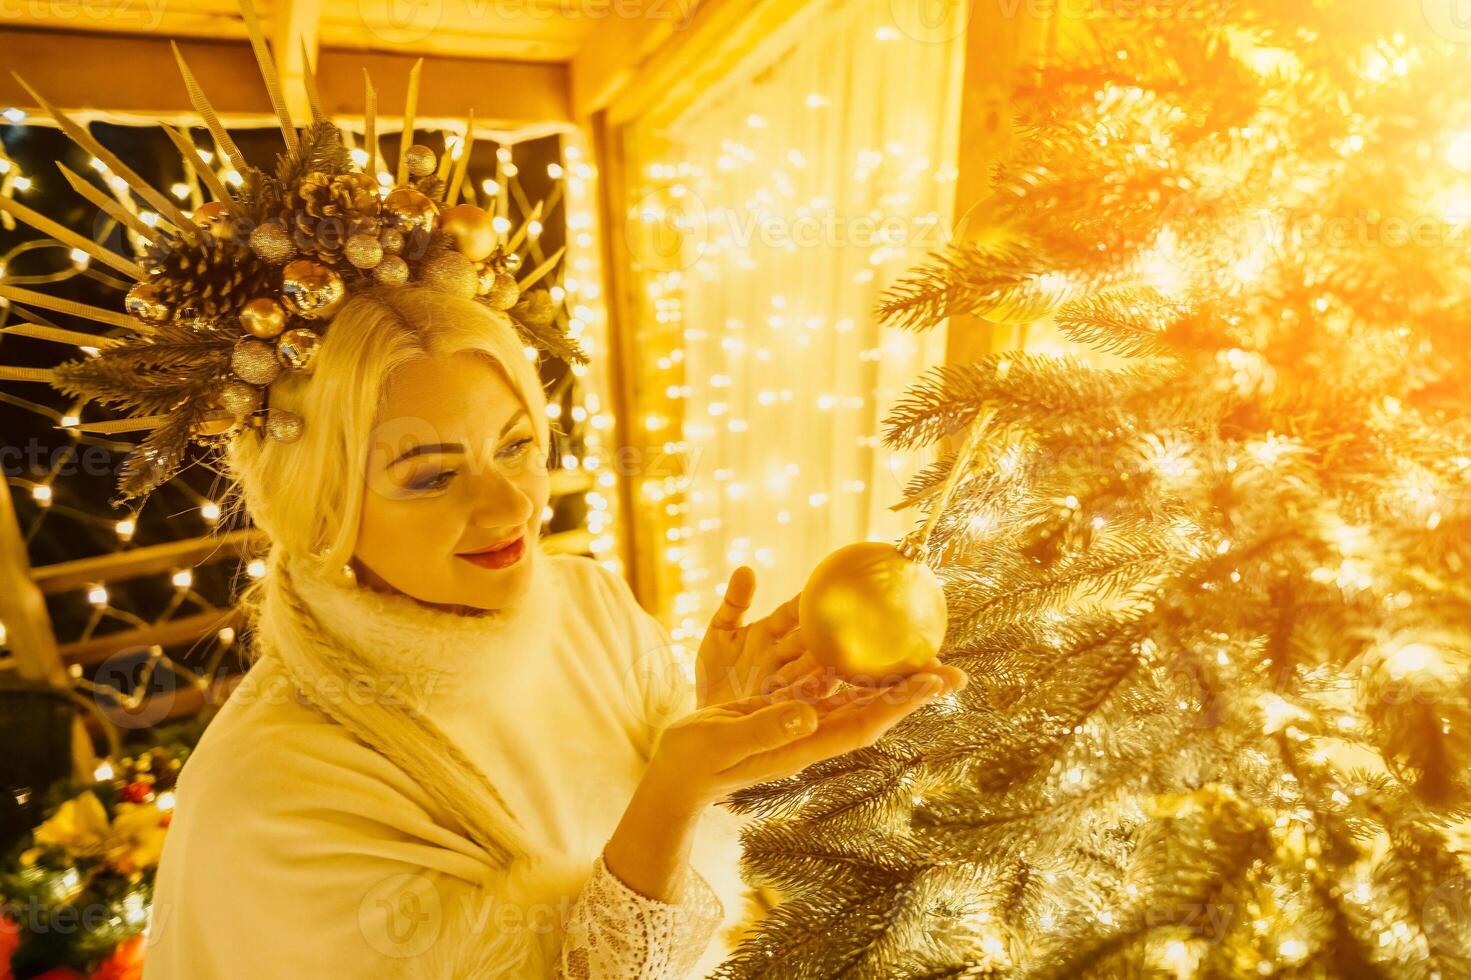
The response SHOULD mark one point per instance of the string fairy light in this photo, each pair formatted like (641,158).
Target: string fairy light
(733,204)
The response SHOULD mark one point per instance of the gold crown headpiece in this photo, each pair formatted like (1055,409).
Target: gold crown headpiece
(241,291)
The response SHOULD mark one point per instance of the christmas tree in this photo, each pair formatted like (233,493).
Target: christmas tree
(1209,572)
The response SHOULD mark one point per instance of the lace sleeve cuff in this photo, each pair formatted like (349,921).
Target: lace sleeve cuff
(616,933)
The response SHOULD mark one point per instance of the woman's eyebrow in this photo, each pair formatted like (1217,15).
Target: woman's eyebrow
(520,414)
(431,447)
(449,447)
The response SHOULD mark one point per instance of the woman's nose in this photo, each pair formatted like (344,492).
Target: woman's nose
(499,502)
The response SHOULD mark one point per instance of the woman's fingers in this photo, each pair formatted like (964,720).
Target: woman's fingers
(803,663)
(857,722)
(765,729)
(809,681)
(806,687)
(789,647)
(738,593)
(783,618)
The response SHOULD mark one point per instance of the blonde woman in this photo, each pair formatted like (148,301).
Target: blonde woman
(456,755)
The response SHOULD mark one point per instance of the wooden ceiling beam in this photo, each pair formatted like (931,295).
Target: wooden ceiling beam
(295,27)
(135,76)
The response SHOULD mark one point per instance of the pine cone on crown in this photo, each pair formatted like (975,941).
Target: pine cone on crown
(209,278)
(322,211)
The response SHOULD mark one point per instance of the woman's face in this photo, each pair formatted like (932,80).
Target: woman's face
(453,468)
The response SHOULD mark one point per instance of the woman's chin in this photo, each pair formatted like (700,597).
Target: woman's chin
(492,588)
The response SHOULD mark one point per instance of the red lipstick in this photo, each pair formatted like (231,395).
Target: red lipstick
(503,555)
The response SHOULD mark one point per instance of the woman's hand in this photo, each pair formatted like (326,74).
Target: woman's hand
(739,661)
(715,751)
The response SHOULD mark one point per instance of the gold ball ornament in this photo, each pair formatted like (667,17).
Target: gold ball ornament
(145,302)
(392,271)
(392,241)
(421,160)
(472,229)
(240,399)
(503,293)
(868,612)
(298,347)
(406,209)
(254,361)
(215,220)
(263,317)
(284,426)
(364,251)
(450,272)
(511,261)
(271,243)
(311,290)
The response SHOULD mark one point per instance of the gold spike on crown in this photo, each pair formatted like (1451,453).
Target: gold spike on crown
(240,292)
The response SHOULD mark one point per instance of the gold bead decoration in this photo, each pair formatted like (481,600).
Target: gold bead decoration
(511,262)
(145,301)
(298,347)
(421,160)
(472,229)
(271,243)
(239,398)
(311,290)
(284,426)
(869,612)
(392,271)
(503,293)
(254,360)
(450,272)
(407,209)
(263,317)
(392,241)
(215,220)
(364,251)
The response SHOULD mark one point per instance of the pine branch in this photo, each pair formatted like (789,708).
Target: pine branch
(161,453)
(1020,388)
(534,321)
(1003,282)
(320,150)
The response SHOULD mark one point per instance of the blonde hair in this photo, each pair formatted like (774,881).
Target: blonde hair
(307,497)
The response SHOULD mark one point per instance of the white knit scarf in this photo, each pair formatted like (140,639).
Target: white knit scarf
(384,665)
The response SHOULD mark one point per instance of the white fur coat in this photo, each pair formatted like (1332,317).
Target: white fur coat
(298,851)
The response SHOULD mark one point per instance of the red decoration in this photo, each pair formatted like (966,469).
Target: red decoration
(9,943)
(124,963)
(136,793)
